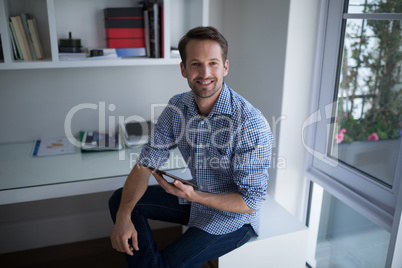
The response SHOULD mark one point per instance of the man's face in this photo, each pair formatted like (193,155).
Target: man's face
(205,68)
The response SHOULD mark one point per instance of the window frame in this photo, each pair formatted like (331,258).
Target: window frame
(371,198)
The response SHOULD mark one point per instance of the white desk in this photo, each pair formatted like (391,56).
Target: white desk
(26,178)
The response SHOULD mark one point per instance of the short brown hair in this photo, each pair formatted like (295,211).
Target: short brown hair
(203,33)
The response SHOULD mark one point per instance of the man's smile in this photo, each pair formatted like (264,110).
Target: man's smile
(205,82)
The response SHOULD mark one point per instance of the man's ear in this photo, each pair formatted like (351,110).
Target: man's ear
(183,70)
(226,68)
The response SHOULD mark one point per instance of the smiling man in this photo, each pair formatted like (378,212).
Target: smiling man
(226,143)
(204,69)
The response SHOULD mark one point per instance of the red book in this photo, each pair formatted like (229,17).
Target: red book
(125,33)
(125,42)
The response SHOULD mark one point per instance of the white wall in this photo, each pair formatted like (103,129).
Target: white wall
(34,103)
(300,44)
(256,32)
(271,52)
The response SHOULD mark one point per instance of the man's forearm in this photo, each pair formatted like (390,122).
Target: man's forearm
(134,188)
(232,202)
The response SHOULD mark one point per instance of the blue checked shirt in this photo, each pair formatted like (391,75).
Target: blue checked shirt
(228,151)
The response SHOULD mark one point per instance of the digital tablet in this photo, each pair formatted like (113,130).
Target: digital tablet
(169,175)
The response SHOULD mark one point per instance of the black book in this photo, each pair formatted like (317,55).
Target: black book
(152,8)
(124,23)
(127,12)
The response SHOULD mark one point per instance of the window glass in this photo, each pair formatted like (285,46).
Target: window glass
(374,6)
(368,128)
(342,237)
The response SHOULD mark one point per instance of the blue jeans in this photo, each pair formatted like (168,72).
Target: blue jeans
(192,249)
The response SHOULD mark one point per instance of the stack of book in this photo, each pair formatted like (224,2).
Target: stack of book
(135,31)
(125,30)
(24,33)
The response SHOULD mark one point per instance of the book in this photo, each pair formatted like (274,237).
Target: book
(131,52)
(154,38)
(25,37)
(146,32)
(162,31)
(24,20)
(72,56)
(122,12)
(19,38)
(124,27)
(53,146)
(25,43)
(14,43)
(33,29)
(125,42)
(124,23)
(95,141)
(125,33)
(151,12)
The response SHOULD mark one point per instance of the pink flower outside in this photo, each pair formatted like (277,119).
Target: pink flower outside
(339,137)
(373,137)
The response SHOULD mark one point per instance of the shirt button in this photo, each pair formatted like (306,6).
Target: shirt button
(202,122)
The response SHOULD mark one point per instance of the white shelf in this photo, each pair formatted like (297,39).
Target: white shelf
(84,18)
(88,63)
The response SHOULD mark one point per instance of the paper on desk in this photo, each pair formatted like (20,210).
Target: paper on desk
(53,146)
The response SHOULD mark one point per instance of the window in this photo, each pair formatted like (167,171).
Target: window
(368,120)
(356,125)
(342,236)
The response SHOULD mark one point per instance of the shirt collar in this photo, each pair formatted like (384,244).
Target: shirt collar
(223,105)
(188,100)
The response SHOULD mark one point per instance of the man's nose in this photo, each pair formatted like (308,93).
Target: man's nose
(205,71)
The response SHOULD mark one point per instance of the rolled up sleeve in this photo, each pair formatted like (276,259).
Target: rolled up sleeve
(252,161)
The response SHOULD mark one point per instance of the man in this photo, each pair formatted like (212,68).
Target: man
(226,143)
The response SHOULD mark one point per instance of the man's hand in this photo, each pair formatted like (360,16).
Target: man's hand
(232,202)
(177,188)
(123,231)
